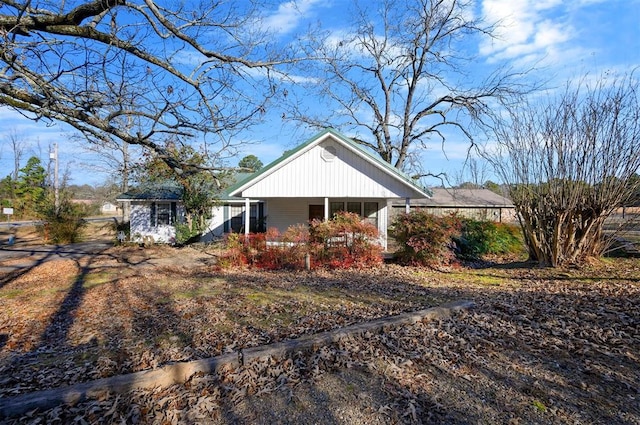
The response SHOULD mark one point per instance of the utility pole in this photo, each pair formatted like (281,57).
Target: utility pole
(126,206)
(56,187)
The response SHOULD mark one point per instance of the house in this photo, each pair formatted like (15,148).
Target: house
(108,208)
(479,204)
(154,212)
(326,174)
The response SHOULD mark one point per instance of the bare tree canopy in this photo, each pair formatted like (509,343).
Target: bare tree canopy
(570,161)
(403,76)
(142,71)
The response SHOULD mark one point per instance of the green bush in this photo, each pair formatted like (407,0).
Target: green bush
(479,238)
(63,224)
(425,239)
(185,235)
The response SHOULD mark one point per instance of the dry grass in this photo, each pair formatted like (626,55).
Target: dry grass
(542,345)
(29,236)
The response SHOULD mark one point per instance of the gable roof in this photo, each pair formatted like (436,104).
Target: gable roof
(236,189)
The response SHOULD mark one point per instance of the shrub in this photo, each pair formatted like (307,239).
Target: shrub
(425,239)
(286,251)
(184,234)
(234,253)
(343,242)
(479,238)
(63,224)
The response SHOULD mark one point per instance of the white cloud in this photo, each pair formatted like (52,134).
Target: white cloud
(12,121)
(526,30)
(279,76)
(290,14)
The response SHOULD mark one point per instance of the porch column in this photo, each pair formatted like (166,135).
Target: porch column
(407,205)
(326,209)
(247,215)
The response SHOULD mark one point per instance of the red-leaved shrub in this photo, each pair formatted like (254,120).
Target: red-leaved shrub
(342,242)
(425,239)
(345,241)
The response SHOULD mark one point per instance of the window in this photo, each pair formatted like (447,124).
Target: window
(335,207)
(163,213)
(354,207)
(255,222)
(237,218)
(256,218)
(371,212)
(367,210)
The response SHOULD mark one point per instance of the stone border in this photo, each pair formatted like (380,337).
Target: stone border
(179,373)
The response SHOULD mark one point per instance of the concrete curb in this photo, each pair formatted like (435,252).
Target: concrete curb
(179,373)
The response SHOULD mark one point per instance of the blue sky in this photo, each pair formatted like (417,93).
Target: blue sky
(565,39)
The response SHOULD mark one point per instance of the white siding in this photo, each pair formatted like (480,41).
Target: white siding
(346,175)
(140,224)
(215,225)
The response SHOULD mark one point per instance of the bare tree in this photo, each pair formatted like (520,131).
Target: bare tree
(569,161)
(473,175)
(405,81)
(190,71)
(16,143)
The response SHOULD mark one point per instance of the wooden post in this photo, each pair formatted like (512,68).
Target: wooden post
(326,209)
(247,215)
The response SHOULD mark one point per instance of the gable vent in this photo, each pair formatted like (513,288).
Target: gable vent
(329,153)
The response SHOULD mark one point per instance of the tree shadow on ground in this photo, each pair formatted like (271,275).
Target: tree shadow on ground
(519,352)
(54,336)
(19,271)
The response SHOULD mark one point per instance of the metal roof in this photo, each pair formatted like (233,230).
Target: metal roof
(152,193)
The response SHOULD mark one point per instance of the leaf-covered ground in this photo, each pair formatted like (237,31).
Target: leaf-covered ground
(541,345)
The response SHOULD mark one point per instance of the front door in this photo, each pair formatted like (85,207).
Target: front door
(316,212)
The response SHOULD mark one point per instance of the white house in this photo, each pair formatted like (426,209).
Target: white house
(154,213)
(326,174)
(108,208)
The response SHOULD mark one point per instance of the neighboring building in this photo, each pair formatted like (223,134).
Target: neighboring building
(154,213)
(479,204)
(109,208)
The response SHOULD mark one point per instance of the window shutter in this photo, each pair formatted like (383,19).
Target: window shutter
(153,214)
(174,213)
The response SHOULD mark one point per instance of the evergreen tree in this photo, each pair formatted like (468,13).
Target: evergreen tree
(30,188)
(250,162)
(7,191)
